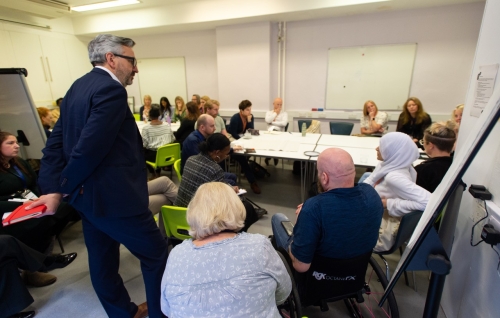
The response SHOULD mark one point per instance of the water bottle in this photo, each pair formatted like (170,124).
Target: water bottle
(304,129)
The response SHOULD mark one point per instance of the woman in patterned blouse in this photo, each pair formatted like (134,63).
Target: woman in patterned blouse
(219,272)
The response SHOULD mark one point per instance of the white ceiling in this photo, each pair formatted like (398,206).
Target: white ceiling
(161,16)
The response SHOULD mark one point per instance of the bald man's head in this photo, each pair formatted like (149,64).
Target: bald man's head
(335,169)
(205,125)
(277,104)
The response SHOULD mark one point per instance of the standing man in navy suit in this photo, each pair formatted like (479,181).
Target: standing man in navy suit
(94,158)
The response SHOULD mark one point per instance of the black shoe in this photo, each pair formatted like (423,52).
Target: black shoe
(25,314)
(260,212)
(60,261)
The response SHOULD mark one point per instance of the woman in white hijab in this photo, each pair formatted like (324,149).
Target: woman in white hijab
(394,180)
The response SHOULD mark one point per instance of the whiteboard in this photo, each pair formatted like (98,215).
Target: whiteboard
(381,73)
(18,112)
(161,77)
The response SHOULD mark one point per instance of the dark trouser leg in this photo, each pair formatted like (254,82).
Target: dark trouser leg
(251,217)
(140,235)
(14,296)
(245,167)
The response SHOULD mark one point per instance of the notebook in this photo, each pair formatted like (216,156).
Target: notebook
(20,214)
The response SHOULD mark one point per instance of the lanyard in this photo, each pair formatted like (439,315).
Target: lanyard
(21,176)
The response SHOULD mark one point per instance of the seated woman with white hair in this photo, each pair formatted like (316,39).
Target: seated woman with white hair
(220,272)
(394,180)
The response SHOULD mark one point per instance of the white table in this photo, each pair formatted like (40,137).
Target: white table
(282,145)
(362,157)
(340,141)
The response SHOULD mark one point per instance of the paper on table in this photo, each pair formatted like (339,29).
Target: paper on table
(242,191)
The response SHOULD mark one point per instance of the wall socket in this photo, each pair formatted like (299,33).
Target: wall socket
(478,211)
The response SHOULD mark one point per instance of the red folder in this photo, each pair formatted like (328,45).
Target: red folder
(20,214)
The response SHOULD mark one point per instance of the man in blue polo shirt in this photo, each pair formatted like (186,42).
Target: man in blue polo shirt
(205,126)
(340,222)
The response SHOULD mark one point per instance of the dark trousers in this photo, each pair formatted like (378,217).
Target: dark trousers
(140,235)
(245,167)
(14,296)
(251,216)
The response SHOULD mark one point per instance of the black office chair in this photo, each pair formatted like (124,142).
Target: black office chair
(300,122)
(356,280)
(341,128)
(406,227)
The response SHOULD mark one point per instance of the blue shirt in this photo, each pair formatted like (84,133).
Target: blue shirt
(341,223)
(190,147)
(241,276)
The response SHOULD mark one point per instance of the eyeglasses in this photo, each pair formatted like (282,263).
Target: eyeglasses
(131,59)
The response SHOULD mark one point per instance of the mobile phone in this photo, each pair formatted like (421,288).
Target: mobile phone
(288,226)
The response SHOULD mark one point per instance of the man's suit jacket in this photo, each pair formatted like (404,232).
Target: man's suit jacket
(94,153)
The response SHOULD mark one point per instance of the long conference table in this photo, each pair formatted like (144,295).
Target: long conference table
(306,149)
(294,146)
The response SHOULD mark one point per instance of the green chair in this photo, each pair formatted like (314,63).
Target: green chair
(308,123)
(341,128)
(174,219)
(177,168)
(137,117)
(166,156)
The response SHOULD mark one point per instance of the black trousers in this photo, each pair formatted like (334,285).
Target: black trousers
(14,296)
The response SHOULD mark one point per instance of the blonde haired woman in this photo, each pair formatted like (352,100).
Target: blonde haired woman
(219,272)
(203,100)
(373,121)
(180,109)
(144,110)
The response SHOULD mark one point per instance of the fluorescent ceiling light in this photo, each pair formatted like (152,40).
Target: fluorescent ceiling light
(103,5)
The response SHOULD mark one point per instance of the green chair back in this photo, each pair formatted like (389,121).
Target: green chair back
(174,219)
(341,128)
(177,167)
(137,117)
(300,122)
(166,156)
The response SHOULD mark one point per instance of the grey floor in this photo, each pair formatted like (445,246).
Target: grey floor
(73,296)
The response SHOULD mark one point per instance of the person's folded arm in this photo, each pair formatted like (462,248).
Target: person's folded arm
(410,196)
(270,116)
(283,120)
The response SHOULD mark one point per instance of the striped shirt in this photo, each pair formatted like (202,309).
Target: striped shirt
(155,136)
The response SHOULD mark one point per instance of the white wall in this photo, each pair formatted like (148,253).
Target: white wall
(199,51)
(243,63)
(446,38)
(473,286)
(217,64)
